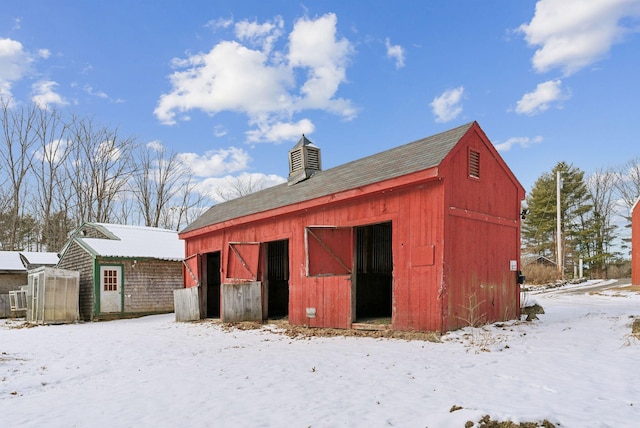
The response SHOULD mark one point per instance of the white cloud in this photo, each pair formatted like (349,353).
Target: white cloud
(100,94)
(230,77)
(313,46)
(216,163)
(15,63)
(281,131)
(107,150)
(52,152)
(155,145)
(523,142)
(221,189)
(262,35)
(219,23)
(262,83)
(395,52)
(448,106)
(219,131)
(44,53)
(545,94)
(44,95)
(572,34)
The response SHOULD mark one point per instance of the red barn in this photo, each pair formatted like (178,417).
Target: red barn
(635,243)
(425,235)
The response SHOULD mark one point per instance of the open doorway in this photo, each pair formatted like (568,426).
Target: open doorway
(374,273)
(212,277)
(276,278)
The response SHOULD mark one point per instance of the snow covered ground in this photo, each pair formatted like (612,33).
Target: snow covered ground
(577,366)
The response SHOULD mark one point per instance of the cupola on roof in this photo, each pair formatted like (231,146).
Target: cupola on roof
(304,161)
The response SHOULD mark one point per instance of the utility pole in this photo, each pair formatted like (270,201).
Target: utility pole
(559,225)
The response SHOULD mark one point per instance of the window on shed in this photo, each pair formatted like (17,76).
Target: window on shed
(329,250)
(110,279)
(474,163)
(243,260)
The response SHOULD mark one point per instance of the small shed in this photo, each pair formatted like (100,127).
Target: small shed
(425,236)
(52,296)
(635,243)
(124,270)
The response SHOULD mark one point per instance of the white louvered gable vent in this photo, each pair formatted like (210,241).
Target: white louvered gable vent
(296,162)
(313,158)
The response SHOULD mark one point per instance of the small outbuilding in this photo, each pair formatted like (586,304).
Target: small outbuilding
(124,270)
(425,237)
(15,264)
(635,243)
(14,267)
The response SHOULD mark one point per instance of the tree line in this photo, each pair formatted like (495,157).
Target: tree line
(595,216)
(58,170)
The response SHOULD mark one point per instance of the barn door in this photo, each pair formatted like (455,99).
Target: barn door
(242,293)
(330,260)
(243,259)
(110,289)
(192,270)
(329,250)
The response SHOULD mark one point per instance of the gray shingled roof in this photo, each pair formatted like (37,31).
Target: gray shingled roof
(413,157)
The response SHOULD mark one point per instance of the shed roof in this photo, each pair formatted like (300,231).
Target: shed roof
(132,241)
(409,158)
(40,258)
(10,261)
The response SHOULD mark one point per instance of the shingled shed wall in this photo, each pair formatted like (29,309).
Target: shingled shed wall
(453,210)
(149,284)
(78,259)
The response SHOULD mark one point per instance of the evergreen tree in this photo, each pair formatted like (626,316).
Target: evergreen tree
(539,227)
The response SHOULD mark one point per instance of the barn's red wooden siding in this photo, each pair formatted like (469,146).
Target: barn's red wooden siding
(452,237)
(635,244)
(482,228)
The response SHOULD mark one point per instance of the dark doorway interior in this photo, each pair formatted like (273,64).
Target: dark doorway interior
(213,284)
(374,268)
(277,273)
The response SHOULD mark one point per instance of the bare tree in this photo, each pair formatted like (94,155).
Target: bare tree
(16,154)
(156,183)
(628,182)
(602,186)
(189,204)
(101,164)
(48,167)
(238,186)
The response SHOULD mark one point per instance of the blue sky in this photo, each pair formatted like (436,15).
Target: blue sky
(232,85)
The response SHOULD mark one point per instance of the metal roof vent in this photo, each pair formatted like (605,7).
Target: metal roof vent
(304,161)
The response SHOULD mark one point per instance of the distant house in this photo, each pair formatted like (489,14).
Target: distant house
(124,270)
(13,274)
(34,259)
(538,260)
(425,235)
(14,266)
(635,243)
